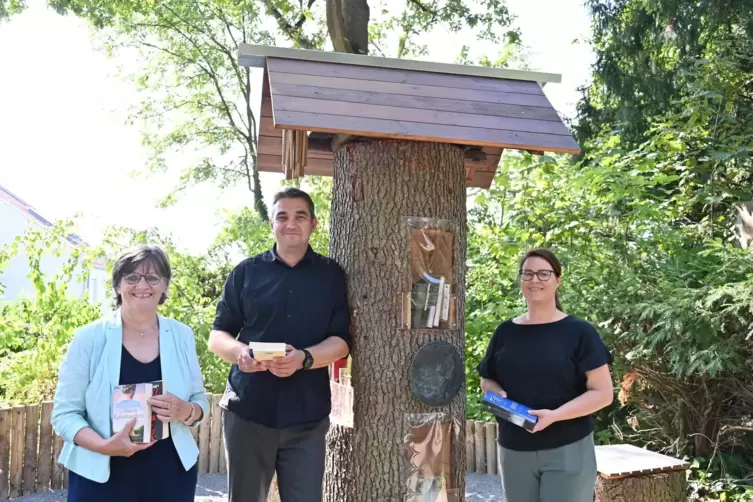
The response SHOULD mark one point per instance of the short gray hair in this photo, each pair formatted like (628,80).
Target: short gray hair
(151,256)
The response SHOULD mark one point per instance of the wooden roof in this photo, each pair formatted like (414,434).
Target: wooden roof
(320,94)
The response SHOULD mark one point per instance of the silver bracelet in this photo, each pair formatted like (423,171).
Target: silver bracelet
(190,418)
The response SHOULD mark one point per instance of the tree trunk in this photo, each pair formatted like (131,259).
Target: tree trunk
(377,185)
(669,487)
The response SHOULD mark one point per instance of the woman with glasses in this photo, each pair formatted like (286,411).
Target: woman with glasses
(557,365)
(133,345)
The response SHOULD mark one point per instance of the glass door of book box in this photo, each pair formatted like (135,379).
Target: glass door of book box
(430,301)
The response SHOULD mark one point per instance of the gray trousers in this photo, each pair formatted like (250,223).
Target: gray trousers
(255,453)
(564,474)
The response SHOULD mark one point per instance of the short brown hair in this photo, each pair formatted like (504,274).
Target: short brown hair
(152,256)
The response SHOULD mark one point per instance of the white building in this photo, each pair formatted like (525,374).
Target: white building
(16,217)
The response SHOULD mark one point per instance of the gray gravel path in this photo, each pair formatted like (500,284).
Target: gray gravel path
(213,488)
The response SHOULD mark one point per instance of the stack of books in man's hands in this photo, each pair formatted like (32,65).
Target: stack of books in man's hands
(264,351)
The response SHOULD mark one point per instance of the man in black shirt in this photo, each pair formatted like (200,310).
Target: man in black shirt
(276,413)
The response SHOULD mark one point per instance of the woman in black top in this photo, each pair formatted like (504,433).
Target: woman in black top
(557,365)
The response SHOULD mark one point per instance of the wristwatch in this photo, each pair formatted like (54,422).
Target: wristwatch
(307,359)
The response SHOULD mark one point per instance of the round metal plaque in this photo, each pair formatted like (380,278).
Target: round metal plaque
(436,373)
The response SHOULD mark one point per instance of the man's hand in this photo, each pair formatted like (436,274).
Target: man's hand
(120,445)
(285,366)
(248,364)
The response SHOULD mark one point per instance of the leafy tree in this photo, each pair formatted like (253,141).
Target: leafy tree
(196,98)
(645,53)
(645,240)
(34,329)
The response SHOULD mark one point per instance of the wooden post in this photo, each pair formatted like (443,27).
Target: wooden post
(204,430)
(58,471)
(5,429)
(223,457)
(214,450)
(491,448)
(17,452)
(30,454)
(470,453)
(44,475)
(480,446)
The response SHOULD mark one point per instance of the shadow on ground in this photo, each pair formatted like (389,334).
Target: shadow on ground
(213,488)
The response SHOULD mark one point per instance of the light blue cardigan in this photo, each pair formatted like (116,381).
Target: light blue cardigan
(91,369)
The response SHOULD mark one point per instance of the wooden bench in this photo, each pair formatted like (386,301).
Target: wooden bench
(631,474)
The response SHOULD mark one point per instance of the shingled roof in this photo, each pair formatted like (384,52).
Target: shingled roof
(320,94)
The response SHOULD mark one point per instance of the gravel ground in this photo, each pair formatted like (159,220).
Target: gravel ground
(213,488)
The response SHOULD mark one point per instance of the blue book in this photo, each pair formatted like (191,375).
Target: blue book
(509,410)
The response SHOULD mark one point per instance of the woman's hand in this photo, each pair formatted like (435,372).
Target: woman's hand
(120,445)
(489,385)
(546,418)
(169,408)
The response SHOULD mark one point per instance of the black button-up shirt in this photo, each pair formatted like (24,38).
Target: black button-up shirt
(266,300)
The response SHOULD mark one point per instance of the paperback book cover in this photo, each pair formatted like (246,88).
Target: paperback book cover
(131,401)
(509,410)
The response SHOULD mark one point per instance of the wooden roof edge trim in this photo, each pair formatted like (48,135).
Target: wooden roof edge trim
(255,56)
(459,143)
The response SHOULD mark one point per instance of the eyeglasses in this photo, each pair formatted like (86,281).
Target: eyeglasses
(543,275)
(134,278)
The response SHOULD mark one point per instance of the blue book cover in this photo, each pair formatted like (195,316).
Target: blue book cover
(509,410)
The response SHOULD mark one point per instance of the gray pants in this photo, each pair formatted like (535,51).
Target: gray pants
(564,474)
(255,453)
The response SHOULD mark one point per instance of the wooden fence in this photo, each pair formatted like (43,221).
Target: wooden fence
(481,447)
(29,448)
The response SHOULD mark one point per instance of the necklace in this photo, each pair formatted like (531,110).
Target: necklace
(141,333)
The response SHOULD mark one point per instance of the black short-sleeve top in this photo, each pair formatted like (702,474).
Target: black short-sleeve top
(543,366)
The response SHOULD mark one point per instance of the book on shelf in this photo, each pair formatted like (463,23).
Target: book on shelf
(430,302)
(131,401)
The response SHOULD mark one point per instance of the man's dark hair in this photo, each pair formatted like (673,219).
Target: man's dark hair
(153,257)
(295,193)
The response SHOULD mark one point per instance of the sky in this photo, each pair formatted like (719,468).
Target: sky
(66,147)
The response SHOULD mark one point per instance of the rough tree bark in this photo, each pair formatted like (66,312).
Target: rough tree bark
(669,487)
(348,25)
(376,186)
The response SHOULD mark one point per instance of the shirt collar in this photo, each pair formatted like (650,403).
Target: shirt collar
(271,255)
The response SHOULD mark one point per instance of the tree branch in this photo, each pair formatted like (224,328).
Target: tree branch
(207,33)
(424,8)
(292,31)
(210,71)
(213,77)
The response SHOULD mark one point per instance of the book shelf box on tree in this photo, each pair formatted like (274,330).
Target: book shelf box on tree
(403,139)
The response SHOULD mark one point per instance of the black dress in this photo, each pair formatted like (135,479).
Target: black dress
(152,475)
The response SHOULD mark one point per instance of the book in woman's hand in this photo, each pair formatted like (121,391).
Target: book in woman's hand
(509,410)
(131,401)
